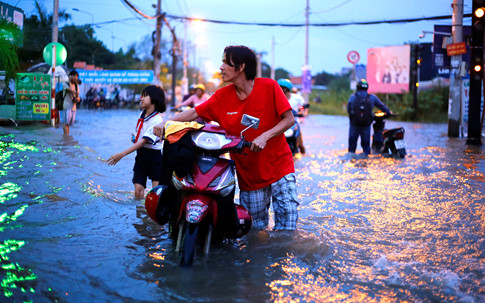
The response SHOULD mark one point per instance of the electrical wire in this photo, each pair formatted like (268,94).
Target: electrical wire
(409,20)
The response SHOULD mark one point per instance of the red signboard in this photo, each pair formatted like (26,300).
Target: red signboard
(456,49)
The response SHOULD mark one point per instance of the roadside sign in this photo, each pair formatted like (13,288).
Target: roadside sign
(60,55)
(353,57)
(116,76)
(306,80)
(454,49)
(33,97)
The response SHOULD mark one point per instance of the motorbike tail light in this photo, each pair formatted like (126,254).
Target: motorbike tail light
(399,134)
(209,141)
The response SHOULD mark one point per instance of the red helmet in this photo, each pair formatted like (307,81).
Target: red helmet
(156,204)
(244,221)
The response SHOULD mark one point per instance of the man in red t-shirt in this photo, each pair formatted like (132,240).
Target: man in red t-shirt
(266,173)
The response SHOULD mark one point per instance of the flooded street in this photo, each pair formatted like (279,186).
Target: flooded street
(370,230)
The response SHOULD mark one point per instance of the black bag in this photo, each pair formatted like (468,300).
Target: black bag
(361,111)
(60,95)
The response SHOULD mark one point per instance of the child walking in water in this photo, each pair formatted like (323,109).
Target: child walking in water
(148,160)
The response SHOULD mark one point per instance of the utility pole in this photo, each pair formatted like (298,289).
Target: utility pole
(55,28)
(185,80)
(306,74)
(476,73)
(454,102)
(156,47)
(272,59)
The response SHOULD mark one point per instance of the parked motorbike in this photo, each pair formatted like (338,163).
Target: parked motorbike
(387,141)
(293,133)
(303,112)
(205,209)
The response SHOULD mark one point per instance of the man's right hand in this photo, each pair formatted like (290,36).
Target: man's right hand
(158,129)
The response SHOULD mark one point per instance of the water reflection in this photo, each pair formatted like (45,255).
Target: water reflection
(371,230)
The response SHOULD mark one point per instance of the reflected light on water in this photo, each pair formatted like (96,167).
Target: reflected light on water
(14,276)
(398,224)
(370,230)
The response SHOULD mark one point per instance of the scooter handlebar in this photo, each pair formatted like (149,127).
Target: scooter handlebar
(247,144)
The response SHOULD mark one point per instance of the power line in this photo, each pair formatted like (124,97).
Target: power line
(319,24)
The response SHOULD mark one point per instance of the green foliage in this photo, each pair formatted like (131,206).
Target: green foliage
(432,104)
(281,73)
(324,78)
(10,36)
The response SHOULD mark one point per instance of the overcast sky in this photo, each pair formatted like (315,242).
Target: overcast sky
(328,46)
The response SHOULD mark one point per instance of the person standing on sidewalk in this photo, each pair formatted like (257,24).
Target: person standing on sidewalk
(360,108)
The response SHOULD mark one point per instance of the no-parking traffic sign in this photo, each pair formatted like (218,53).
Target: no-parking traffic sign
(353,57)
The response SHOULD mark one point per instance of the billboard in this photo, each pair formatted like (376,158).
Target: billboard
(388,69)
(12,14)
(441,60)
(116,76)
(33,97)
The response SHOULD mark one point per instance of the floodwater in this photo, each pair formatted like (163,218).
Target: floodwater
(370,230)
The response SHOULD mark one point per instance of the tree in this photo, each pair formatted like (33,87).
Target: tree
(281,73)
(324,78)
(10,37)
(37,34)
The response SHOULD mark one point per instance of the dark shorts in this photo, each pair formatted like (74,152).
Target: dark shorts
(148,164)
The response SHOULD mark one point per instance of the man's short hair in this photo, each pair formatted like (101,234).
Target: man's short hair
(236,55)
(73,73)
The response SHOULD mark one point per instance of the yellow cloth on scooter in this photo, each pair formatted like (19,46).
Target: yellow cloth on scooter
(174,130)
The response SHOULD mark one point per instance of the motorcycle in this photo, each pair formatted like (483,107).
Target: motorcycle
(205,206)
(387,141)
(292,134)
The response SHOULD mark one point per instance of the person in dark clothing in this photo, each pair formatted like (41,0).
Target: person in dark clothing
(359,108)
(191,92)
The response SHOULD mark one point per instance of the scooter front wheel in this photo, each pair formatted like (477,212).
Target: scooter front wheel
(189,244)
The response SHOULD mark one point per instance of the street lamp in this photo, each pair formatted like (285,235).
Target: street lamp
(92,23)
(434,33)
(85,12)
(112,36)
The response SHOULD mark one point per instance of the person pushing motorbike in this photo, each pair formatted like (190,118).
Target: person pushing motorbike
(266,173)
(359,108)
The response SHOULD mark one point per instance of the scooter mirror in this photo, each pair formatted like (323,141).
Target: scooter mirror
(250,121)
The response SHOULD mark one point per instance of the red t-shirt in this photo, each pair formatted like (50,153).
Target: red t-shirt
(267,102)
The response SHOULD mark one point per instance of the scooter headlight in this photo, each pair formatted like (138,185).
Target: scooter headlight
(179,183)
(226,183)
(289,132)
(210,141)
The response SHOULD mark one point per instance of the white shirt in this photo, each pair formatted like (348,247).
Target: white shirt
(296,101)
(145,130)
